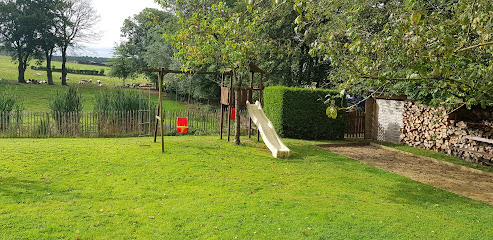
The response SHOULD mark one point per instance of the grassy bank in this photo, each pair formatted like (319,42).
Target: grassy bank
(37,97)
(202,187)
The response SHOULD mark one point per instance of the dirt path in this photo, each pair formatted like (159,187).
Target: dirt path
(465,181)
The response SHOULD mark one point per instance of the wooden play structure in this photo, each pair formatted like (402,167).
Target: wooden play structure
(246,94)
(227,96)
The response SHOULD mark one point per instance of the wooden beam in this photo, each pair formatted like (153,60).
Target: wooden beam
(166,71)
(475,152)
(479,139)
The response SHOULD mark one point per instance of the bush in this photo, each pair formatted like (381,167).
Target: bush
(8,101)
(71,101)
(300,113)
(117,100)
(10,108)
(118,110)
(66,109)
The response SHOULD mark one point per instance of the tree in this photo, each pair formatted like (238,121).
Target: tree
(80,18)
(123,66)
(144,46)
(219,36)
(50,32)
(19,21)
(437,52)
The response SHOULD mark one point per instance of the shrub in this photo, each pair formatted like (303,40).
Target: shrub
(118,110)
(10,108)
(117,100)
(301,113)
(8,101)
(66,109)
(71,101)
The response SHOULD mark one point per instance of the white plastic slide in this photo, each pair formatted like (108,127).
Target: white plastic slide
(267,131)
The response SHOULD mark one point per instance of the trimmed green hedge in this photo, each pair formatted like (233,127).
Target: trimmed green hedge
(300,113)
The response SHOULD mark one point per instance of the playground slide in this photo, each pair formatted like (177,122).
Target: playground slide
(267,131)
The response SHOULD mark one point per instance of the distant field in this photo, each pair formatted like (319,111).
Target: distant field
(36,97)
(8,70)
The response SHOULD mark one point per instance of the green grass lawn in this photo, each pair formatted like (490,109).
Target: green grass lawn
(202,187)
(37,97)
(8,70)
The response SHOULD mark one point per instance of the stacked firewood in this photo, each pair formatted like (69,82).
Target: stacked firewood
(472,150)
(432,128)
(424,127)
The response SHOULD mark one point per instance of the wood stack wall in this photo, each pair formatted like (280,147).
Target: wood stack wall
(433,129)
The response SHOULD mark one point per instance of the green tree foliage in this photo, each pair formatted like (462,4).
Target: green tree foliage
(222,37)
(287,59)
(145,46)
(51,20)
(438,52)
(29,28)
(122,67)
(19,21)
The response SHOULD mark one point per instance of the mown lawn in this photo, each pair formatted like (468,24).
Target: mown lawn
(206,188)
(37,97)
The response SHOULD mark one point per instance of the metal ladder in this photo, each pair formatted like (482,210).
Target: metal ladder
(144,115)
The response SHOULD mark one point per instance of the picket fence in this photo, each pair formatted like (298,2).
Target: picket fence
(102,124)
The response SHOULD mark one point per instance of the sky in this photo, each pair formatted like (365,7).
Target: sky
(113,13)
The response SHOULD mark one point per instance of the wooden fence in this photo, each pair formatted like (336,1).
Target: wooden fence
(102,124)
(356,125)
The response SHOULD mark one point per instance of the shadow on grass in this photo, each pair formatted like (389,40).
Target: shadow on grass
(418,194)
(19,190)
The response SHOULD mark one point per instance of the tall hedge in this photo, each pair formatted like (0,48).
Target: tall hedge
(300,113)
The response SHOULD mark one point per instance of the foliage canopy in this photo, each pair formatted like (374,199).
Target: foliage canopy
(438,52)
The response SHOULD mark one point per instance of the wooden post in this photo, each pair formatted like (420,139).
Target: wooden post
(230,97)
(260,96)
(158,114)
(222,111)
(161,76)
(250,98)
(369,115)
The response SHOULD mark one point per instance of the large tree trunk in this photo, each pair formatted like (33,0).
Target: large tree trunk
(64,69)
(49,72)
(21,68)
(237,106)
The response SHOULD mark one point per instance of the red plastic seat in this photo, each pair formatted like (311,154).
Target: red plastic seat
(233,114)
(182,125)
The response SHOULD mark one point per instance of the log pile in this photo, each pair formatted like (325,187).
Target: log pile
(432,128)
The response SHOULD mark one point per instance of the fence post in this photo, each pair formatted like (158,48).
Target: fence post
(369,117)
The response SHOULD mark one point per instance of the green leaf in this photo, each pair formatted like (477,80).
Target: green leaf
(298,19)
(298,8)
(331,112)
(343,92)
(415,18)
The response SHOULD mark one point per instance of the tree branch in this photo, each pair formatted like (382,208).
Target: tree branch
(474,46)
